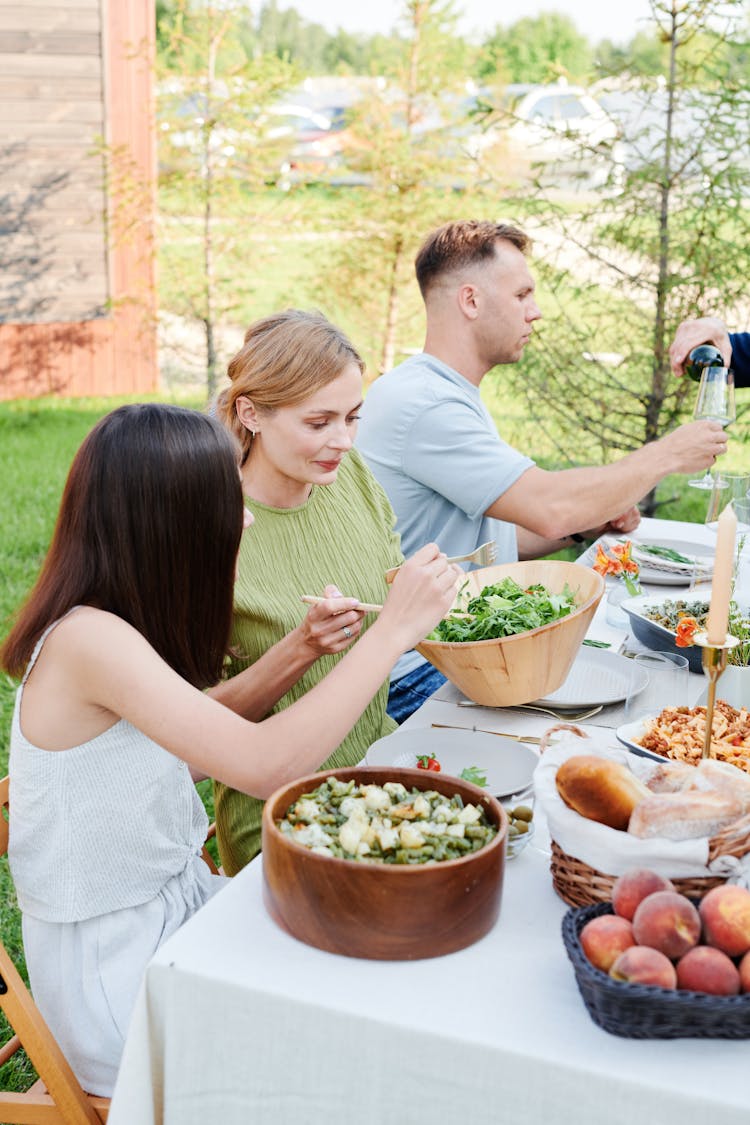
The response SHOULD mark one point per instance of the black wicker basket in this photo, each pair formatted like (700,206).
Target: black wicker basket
(642,1011)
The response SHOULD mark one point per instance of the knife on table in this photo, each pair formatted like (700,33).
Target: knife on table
(501,733)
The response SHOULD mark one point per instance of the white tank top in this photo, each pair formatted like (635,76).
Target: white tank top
(98,827)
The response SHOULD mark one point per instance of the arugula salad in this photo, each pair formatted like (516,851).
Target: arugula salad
(505,609)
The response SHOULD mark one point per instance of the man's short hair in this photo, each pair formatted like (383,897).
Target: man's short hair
(462,243)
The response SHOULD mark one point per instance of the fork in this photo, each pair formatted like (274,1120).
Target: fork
(571,716)
(484,555)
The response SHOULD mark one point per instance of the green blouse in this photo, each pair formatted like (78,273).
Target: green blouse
(342,535)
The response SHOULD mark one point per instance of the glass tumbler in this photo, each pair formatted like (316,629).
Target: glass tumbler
(667,684)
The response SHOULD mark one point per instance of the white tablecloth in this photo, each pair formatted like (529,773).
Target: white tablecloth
(239,1023)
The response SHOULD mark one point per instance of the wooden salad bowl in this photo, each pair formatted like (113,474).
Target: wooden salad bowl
(383,911)
(527,666)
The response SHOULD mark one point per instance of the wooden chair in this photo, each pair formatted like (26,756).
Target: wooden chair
(57,1096)
(206,855)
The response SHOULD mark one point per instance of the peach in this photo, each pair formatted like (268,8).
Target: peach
(635,885)
(725,913)
(667,921)
(705,969)
(745,973)
(642,965)
(604,938)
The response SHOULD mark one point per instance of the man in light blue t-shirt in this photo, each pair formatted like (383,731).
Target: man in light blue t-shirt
(433,446)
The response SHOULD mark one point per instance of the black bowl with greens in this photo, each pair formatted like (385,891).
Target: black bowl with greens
(654,620)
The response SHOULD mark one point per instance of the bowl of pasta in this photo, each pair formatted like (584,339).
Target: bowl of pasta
(384,863)
(515,630)
(678,734)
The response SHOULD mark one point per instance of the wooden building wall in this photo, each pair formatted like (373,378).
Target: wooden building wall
(77,198)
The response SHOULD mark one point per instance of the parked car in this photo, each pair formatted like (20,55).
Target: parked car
(320,154)
(560,129)
(238,132)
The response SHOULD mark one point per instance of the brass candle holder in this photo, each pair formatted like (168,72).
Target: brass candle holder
(714,661)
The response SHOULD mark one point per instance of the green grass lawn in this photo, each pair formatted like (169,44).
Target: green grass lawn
(37,442)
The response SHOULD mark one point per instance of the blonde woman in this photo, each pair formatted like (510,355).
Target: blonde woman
(321,524)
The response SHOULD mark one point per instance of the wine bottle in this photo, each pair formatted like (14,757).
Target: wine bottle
(705,355)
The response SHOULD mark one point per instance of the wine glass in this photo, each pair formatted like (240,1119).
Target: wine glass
(734,489)
(715,403)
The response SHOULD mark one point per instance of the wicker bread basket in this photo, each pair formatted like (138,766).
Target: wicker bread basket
(580,883)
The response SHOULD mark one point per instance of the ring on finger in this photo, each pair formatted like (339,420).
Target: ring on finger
(346,631)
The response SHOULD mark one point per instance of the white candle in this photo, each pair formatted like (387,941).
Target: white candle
(721,586)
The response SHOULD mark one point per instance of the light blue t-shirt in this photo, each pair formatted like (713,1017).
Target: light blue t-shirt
(431,443)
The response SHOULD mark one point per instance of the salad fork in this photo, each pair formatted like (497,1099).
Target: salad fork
(483,556)
(572,715)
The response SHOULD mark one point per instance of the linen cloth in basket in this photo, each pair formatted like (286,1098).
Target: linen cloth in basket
(607,849)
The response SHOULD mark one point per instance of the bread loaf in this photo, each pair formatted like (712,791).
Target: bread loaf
(600,789)
(671,777)
(723,778)
(684,816)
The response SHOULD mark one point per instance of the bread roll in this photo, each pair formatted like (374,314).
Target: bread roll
(600,789)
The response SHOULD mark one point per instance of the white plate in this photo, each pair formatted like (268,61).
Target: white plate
(629,732)
(597,677)
(507,764)
(662,572)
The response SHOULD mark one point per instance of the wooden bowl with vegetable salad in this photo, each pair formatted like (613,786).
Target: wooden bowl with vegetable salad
(522,636)
(384,863)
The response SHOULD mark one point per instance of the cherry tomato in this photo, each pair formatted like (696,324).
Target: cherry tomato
(428,762)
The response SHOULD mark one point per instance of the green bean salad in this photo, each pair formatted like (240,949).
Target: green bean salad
(668,614)
(385,824)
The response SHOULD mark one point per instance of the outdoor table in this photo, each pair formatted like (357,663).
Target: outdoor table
(238,1022)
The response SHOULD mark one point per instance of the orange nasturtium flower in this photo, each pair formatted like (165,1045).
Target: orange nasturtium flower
(624,553)
(686,628)
(619,563)
(604,564)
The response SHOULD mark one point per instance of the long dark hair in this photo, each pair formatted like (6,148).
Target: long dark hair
(149,528)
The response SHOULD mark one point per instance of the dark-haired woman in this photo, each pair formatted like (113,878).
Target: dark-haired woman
(126,628)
